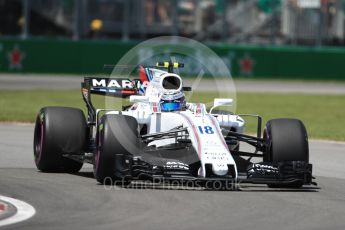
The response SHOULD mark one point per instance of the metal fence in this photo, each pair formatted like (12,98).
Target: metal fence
(314,22)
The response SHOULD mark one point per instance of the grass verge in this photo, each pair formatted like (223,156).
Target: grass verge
(323,115)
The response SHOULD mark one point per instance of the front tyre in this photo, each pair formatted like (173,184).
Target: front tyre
(286,140)
(117,140)
(59,131)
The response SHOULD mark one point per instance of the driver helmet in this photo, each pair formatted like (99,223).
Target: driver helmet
(172,101)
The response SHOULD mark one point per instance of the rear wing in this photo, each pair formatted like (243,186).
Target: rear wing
(115,87)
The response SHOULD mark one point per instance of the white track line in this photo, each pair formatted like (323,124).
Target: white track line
(24,211)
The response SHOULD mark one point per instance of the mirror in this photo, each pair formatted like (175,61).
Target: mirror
(221,102)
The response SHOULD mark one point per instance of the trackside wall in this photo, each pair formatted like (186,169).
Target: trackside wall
(88,57)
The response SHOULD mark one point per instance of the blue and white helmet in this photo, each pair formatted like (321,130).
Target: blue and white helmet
(172,101)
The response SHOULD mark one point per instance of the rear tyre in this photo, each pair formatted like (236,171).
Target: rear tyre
(59,131)
(286,140)
(117,137)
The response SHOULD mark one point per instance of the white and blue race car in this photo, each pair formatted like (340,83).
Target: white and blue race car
(161,137)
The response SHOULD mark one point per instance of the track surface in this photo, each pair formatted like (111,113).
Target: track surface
(65,201)
(58,82)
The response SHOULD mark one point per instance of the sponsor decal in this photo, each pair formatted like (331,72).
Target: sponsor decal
(246,65)
(15,58)
(264,169)
(265,166)
(128,91)
(115,83)
(176,165)
(216,156)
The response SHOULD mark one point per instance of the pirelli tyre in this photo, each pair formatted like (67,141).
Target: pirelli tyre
(59,131)
(117,140)
(286,140)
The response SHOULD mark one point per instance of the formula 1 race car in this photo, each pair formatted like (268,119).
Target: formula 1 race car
(161,137)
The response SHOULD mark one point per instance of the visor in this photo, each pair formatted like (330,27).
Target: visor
(171,106)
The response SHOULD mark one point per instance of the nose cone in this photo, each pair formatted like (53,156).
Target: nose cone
(219,169)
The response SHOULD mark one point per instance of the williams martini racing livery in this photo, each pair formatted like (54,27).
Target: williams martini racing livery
(160,136)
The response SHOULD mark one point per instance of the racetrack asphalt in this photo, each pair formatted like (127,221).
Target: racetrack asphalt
(76,201)
(60,82)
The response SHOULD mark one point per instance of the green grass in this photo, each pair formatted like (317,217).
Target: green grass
(323,115)
(22,106)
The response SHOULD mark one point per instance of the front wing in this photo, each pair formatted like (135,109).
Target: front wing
(166,170)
